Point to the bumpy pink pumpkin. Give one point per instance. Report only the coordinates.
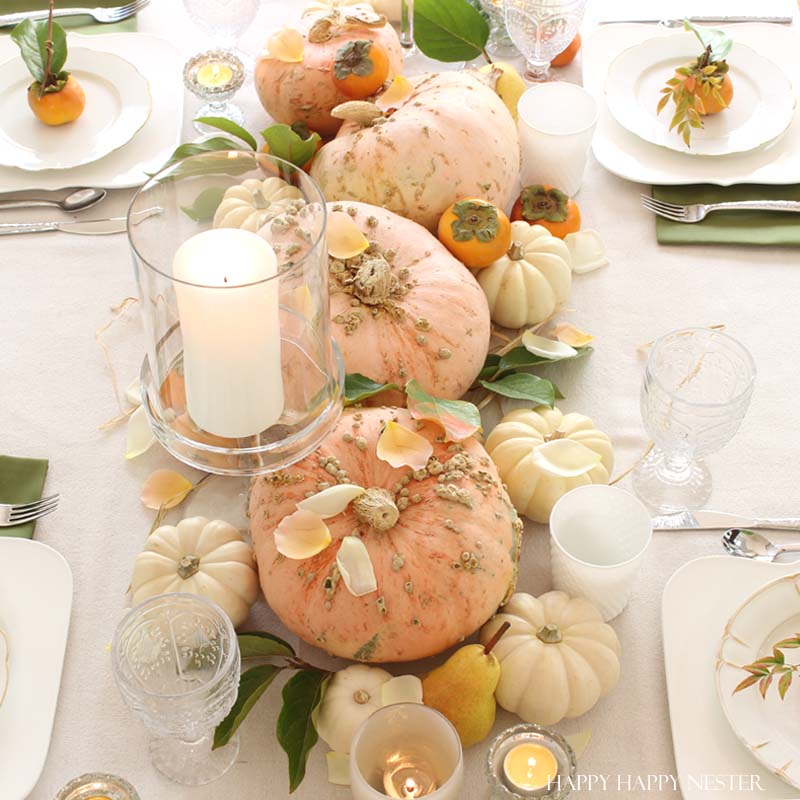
(444, 544)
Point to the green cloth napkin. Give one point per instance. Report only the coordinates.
(21, 481)
(730, 227)
(84, 24)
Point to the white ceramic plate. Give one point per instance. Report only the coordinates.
(696, 604)
(35, 604)
(769, 727)
(761, 110)
(118, 104)
(632, 158)
(160, 63)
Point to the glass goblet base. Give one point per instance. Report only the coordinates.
(193, 763)
(669, 484)
(537, 71)
(226, 110)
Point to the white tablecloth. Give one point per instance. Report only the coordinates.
(57, 290)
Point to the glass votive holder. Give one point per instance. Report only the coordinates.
(529, 760)
(242, 375)
(97, 786)
(405, 751)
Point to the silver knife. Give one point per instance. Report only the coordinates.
(678, 23)
(91, 227)
(720, 520)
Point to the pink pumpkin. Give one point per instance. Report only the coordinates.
(443, 542)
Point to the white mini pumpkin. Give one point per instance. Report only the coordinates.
(249, 204)
(209, 559)
(542, 454)
(557, 659)
(526, 285)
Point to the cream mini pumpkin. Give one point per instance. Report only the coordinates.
(209, 559)
(252, 202)
(451, 137)
(526, 285)
(443, 543)
(557, 659)
(536, 471)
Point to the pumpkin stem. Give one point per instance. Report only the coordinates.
(374, 282)
(188, 565)
(516, 251)
(360, 111)
(376, 507)
(556, 434)
(549, 634)
(496, 638)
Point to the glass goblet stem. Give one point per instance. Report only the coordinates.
(538, 70)
(407, 24)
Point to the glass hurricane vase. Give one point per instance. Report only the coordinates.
(241, 374)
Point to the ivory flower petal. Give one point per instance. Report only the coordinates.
(331, 501)
(338, 768)
(355, 567)
(402, 689)
(301, 535)
(586, 250)
(345, 240)
(400, 89)
(566, 458)
(571, 335)
(578, 741)
(165, 487)
(546, 348)
(140, 436)
(287, 44)
(133, 392)
(401, 447)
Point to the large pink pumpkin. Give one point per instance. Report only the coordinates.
(305, 92)
(442, 568)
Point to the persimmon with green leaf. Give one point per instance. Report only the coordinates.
(55, 96)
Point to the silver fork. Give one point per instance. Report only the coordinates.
(115, 14)
(699, 211)
(26, 512)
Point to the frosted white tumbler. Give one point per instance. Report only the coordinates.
(556, 124)
(598, 538)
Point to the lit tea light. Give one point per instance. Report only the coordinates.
(214, 75)
(529, 767)
(407, 777)
(97, 786)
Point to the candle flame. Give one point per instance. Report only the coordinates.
(410, 788)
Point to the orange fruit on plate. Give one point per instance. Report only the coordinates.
(57, 107)
(475, 232)
(360, 68)
(707, 104)
(567, 55)
(544, 205)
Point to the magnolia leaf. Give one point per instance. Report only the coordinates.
(331, 501)
(27, 39)
(287, 45)
(569, 334)
(719, 41)
(205, 204)
(140, 435)
(490, 366)
(401, 447)
(286, 143)
(345, 240)
(402, 689)
(459, 418)
(401, 89)
(229, 126)
(522, 386)
(259, 644)
(565, 458)
(252, 684)
(355, 566)
(449, 31)
(166, 488)
(338, 768)
(133, 392)
(521, 358)
(358, 388)
(301, 535)
(216, 143)
(295, 731)
(551, 349)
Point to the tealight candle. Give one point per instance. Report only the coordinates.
(529, 766)
(214, 74)
(97, 786)
(407, 777)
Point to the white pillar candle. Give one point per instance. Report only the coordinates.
(230, 330)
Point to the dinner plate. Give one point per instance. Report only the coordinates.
(35, 604)
(761, 110)
(118, 104)
(769, 727)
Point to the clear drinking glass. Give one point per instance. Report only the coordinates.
(499, 43)
(176, 662)
(696, 390)
(541, 29)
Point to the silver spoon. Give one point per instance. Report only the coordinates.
(749, 544)
(74, 201)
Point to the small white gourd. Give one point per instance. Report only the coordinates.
(209, 559)
(525, 286)
(557, 659)
(249, 204)
(542, 454)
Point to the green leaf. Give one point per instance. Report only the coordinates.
(521, 358)
(193, 148)
(252, 684)
(784, 683)
(746, 683)
(205, 204)
(59, 46)
(459, 418)
(449, 30)
(764, 684)
(258, 644)
(26, 36)
(358, 387)
(228, 126)
(489, 366)
(788, 644)
(295, 731)
(719, 41)
(523, 386)
(287, 144)
(662, 102)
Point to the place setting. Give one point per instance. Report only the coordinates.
(340, 463)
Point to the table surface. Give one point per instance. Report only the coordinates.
(58, 290)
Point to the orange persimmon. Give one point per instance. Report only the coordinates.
(543, 205)
(475, 232)
(57, 106)
(567, 55)
(360, 68)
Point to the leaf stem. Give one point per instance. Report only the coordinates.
(486, 56)
(48, 75)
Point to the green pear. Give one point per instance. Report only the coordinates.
(463, 689)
